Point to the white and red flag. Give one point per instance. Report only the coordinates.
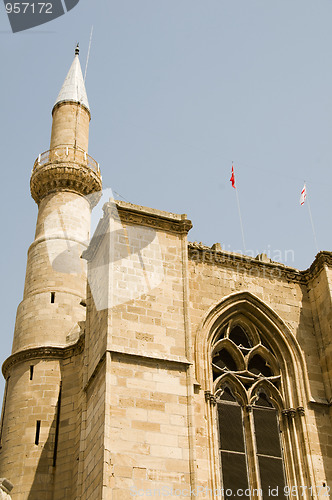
(303, 195)
(232, 179)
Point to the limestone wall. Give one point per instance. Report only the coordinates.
(149, 445)
(69, 457)
(215, 276)
(93, 439)
(137, 411)
(136, 276)
(70, 124)
(25, 463)
(319, 291)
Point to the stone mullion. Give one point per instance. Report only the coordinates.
(213, 439)
(251, 452)
(297, 461)
(289, 464)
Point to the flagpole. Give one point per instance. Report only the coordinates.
(242, 232)
(311, 220)
(86, 69)
(238, 206)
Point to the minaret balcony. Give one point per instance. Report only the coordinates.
(65, 168)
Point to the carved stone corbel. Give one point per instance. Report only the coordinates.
(209, 397)
(300, 411)
(291, 413)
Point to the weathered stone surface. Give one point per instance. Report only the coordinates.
(5, 488)
(110, 390)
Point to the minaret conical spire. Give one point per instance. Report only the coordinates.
(73, 88)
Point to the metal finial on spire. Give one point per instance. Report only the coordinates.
(77, 50)
(73, 88)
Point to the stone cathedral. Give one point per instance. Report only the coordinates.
(144, 365)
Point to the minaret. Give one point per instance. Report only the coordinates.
(64, 183)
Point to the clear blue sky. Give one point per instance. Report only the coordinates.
(179, 89)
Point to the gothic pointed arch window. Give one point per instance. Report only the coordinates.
(247, 384)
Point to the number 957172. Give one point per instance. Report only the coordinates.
(29, 8)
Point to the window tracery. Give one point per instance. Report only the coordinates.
(247, 384)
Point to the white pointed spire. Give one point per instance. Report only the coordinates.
(73, 88)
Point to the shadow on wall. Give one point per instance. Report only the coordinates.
(58, 466)
(42, 486)
(307, 337)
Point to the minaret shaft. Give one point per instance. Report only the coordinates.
(55, 282)
(48, 321)
(70, 126)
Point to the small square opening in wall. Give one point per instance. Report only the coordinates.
(37, 432)
(52, 297)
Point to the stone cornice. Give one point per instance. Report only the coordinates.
(68, 176)
(127, 213)
(157, 219)
(321, 259)
(44, 352)
(264, 268)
